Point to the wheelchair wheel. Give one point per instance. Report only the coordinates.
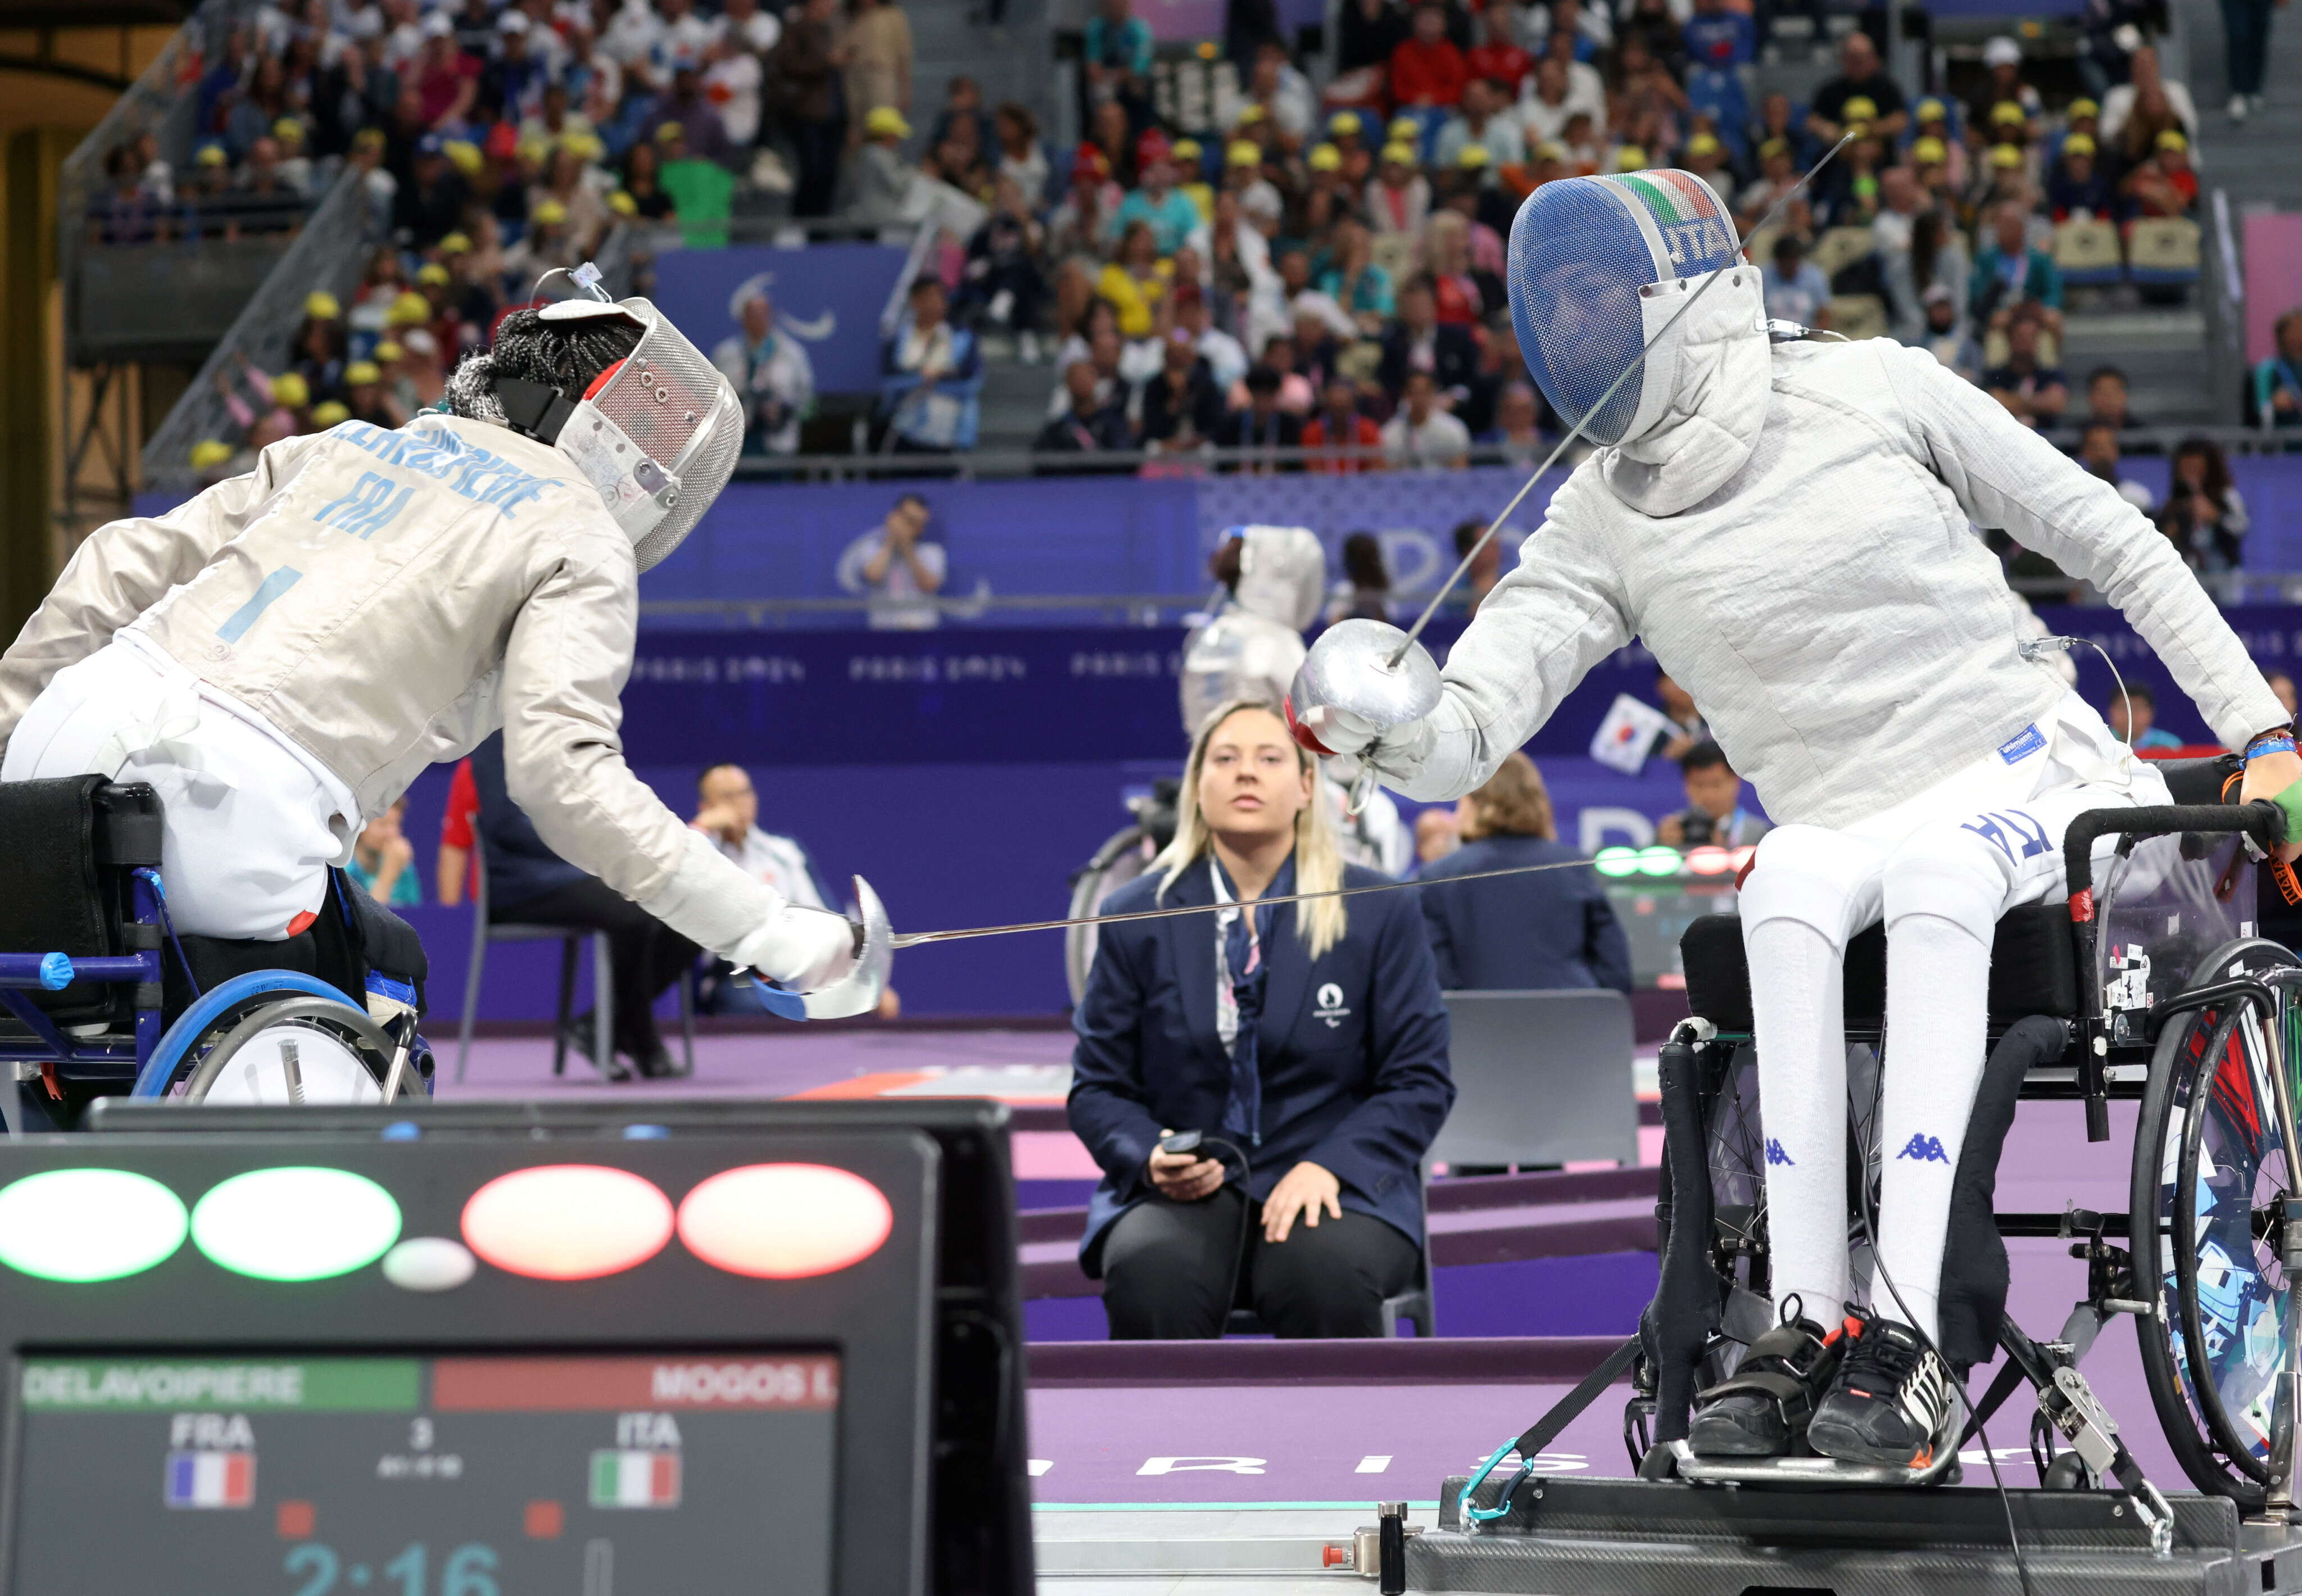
(2210, 1169)
(1125, 856)
(273, 1037)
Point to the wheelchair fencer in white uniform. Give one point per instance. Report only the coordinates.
(1790, 528)
(282, 655)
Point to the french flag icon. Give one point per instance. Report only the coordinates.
(211, 1479)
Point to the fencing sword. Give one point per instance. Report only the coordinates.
(921, 938)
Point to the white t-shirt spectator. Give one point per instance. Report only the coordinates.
(1440, 441)
(732, 83)
(633, 34)
(1801, 297)
(779, 861)
(780, 378)
(896, 602)
(1501, 139)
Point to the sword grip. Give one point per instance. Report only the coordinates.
(1361, 789)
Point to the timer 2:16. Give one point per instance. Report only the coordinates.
(468, 1571)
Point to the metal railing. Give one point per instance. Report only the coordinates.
(163, 101)
(330, 254)
(1124, 609)
(2222, 284)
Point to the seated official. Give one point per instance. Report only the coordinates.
(728, 811)
(1541, 932)
(1714, 816)
(1310, 1038)
(530, 884)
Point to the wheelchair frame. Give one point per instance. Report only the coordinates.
(1694, 1321)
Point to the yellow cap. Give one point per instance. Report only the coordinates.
(208, 452)
(464, 155)
(2079, 143)
(1400, 152)
(1703, 144)
(1326, 158)
(2007, 112)
(320, 306)
(2005, 156)
(588, 146)
(884, 122)
(368, 138)
(1405, 127)
(1549, 150)
(288, 130)
(2082, 106)
(387, 352)
(1860, 110)
(665, 133)
(2172, 139)
(329, 414)
(360, 372)
(431, 271)
(1186, 149)
(1244, 152)
(1773, 147)
(290, 389)
(534, 152)
(411, 309)
(1248, 113)
(211, 154)
(623, 204)
(1344, 124)
(547, 213)
(456, 243)
(1473, 156)
(1629, 158)
(1929, 151)
(1931, 109)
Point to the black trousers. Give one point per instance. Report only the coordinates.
(647, 954)
(817, 146)
(1168, 1270)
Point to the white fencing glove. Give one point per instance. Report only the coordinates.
(803, 949)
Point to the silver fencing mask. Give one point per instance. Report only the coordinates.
(657, 434)
(1585, 253)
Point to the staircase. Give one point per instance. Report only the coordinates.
(2253, 162)
(2158, 351)
(1014, 59)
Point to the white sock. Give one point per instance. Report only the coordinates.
(1797, 1001)
(1937, 987)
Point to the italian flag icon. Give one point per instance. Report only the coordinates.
(635, 1479)
(211, 1479)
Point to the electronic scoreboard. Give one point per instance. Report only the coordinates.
(512, 1350)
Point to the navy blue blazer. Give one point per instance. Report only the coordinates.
(1521, 933)
(1352, 1052)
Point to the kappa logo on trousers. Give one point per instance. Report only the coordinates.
(1925, 1149)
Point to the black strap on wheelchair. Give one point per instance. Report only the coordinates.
(1568, 1407)
(1684, 1313)
(2010, 1378)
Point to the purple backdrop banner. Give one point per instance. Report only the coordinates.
(828, 297)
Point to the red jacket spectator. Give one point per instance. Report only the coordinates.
(458, 870)
(1501, 62)
(1364, 434)
(1427, 73)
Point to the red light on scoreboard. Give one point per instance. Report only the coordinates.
(784, 1220)
(567, 1221)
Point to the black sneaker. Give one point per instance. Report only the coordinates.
(577, 1035)
(1892, 1405)
(1762, 1409)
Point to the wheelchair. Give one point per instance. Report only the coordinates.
(2152, 989)
(99, 996)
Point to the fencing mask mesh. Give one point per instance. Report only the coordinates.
(1580, 249)
(674, 404)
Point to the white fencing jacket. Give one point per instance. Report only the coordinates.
(1796, 541)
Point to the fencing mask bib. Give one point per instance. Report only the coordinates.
(1586, 254)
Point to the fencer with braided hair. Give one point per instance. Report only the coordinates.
(281, 656)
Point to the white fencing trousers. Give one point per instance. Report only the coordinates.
(250, 822)
(1939, 869)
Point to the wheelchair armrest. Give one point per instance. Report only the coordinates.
(2263, 822)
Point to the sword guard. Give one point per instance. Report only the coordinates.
(858, 992)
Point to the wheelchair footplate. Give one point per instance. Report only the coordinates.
(1828, 1472)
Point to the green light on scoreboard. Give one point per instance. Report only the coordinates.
(295, 1223)
(1617, 861)
(83, 1225)
(1658, 860)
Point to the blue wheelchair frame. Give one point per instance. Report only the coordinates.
(150, 1061)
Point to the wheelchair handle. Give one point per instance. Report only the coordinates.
(2264, 823)
(2261, 820)
(47, 972)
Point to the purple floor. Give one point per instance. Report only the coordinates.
(768, 1064)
